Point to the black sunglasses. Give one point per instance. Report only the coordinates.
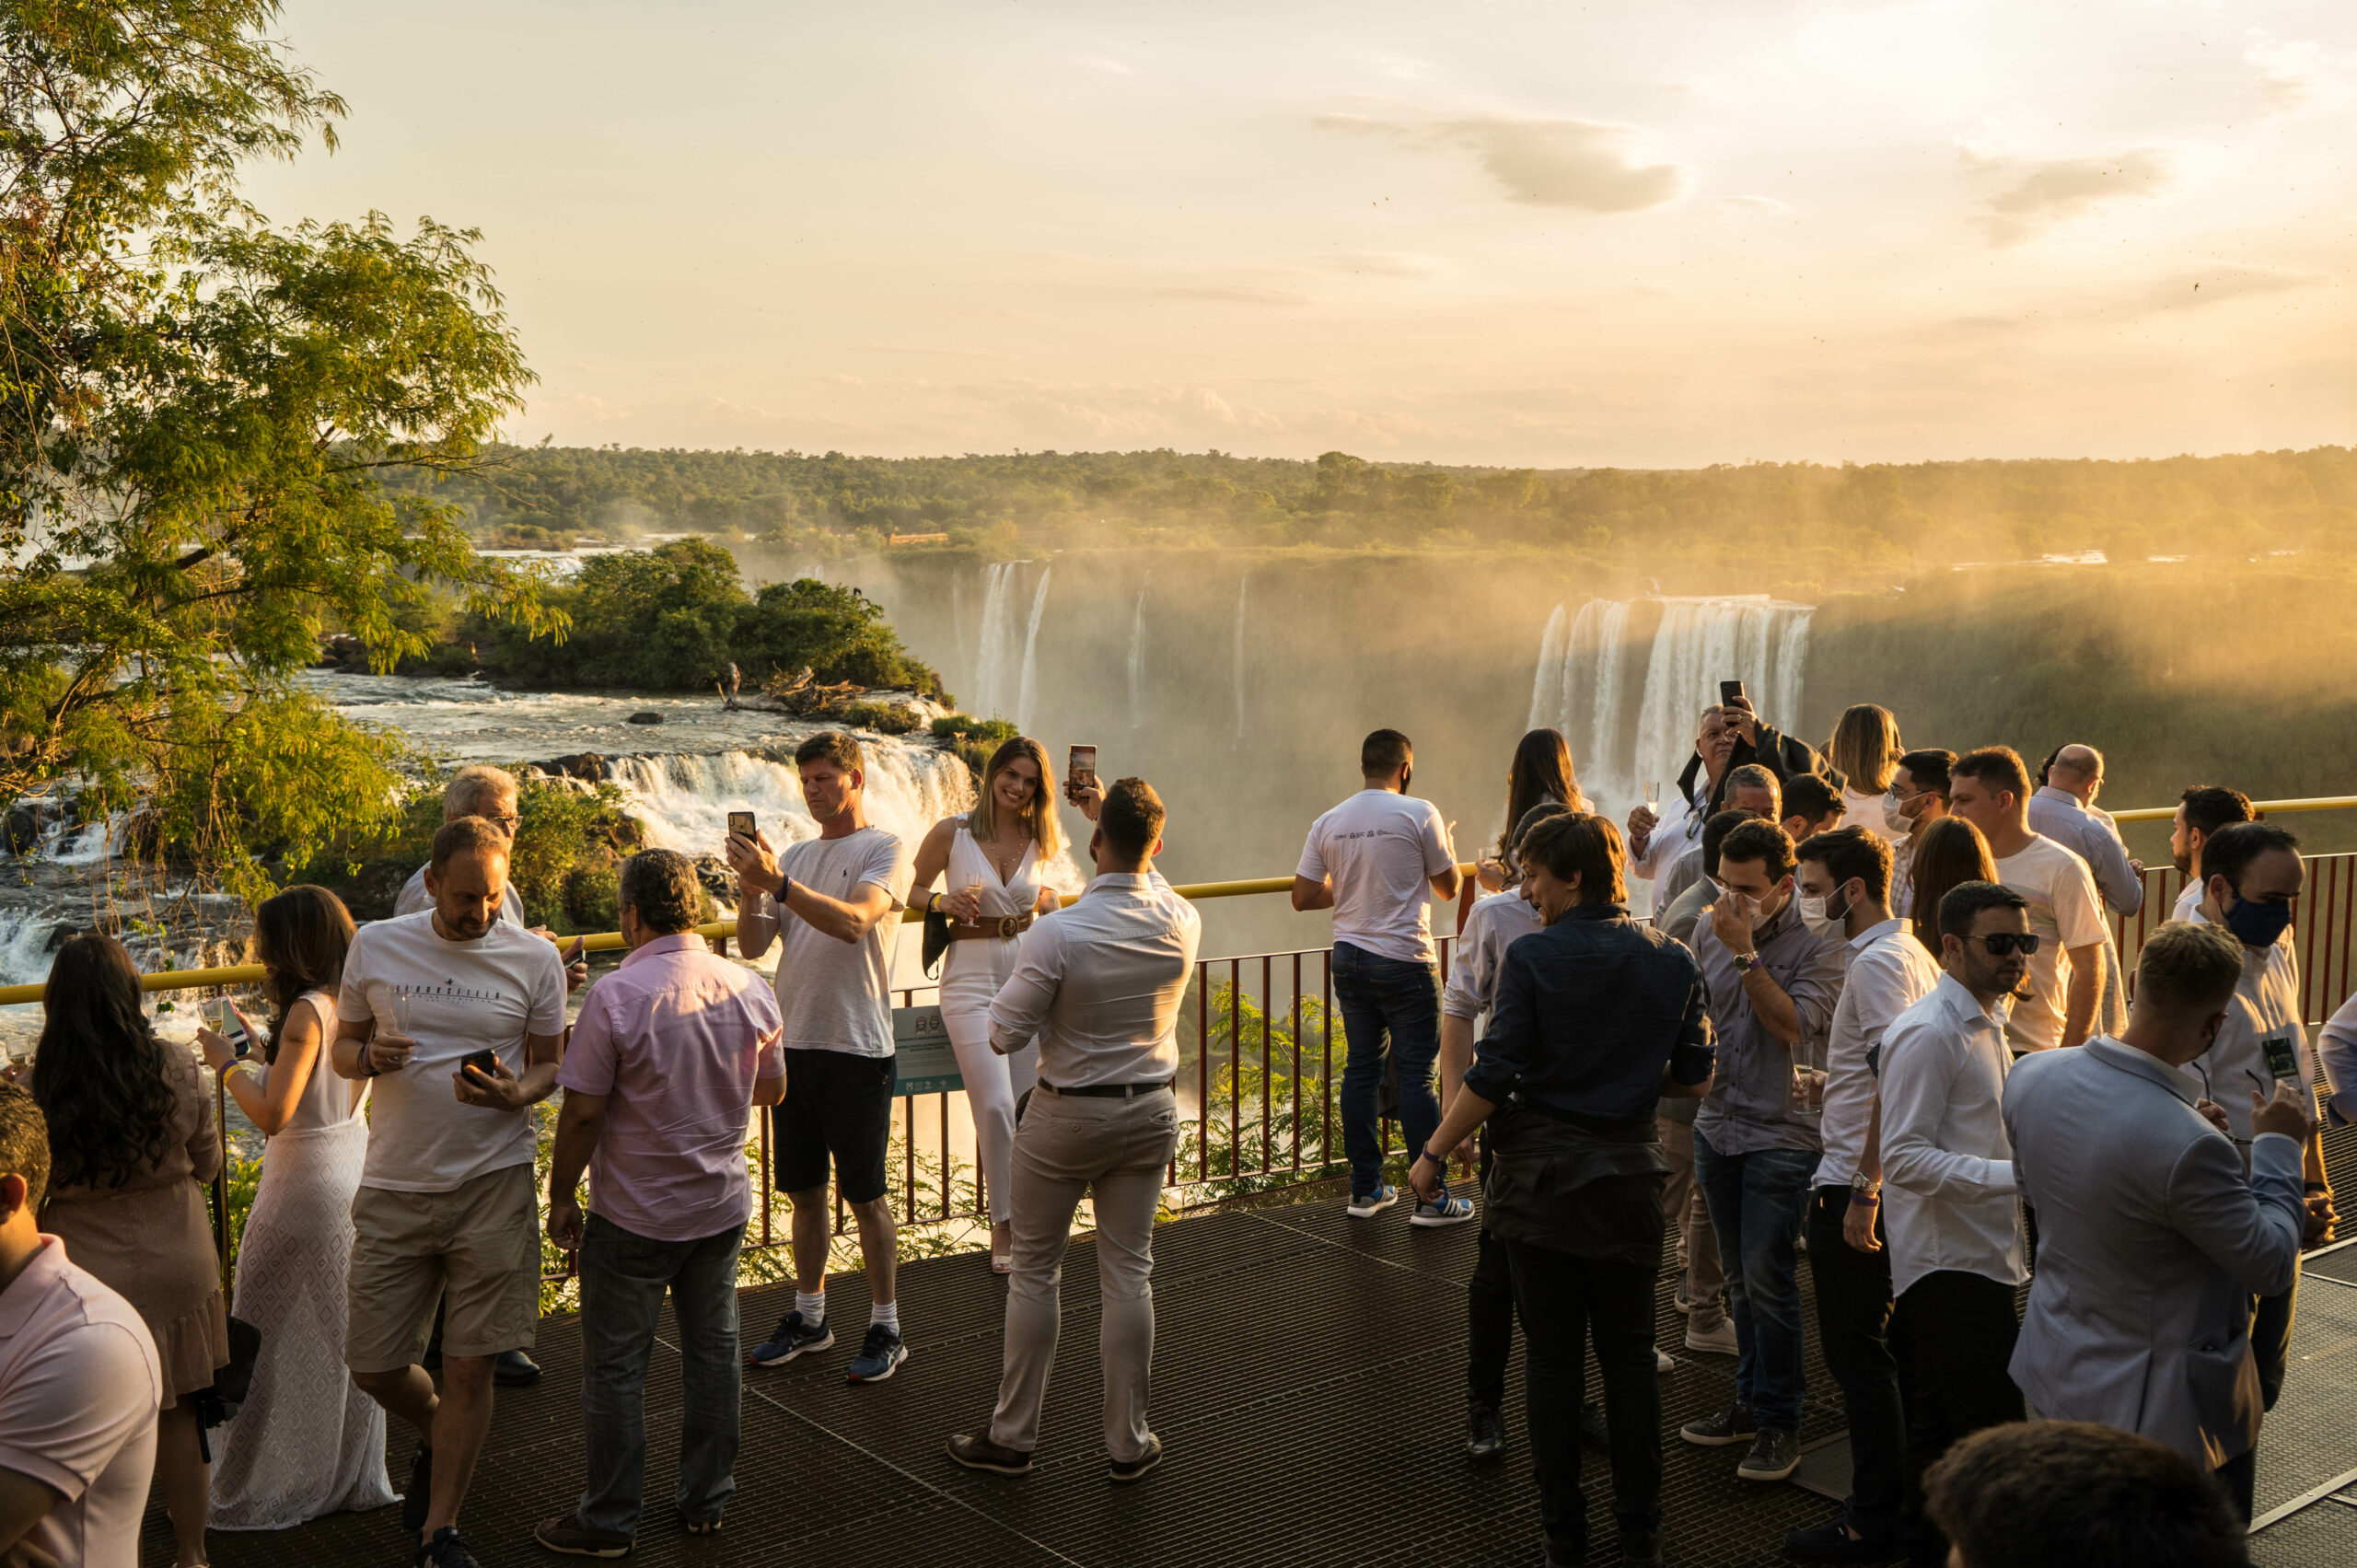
(1999, 942)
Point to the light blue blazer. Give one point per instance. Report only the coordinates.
(2152, 1240)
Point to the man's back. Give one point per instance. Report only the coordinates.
(2094, 837)
(674, 1040)
(1381, 848)
(1106, 977)
(2149, 1249)
(1494, 924)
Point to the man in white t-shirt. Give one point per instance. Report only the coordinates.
(1374, 860)
(1990, 789)
(448, 1206)
(2201, 811)
(79, 1381)
(842, 894)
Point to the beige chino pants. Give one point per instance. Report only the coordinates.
(1116, 1151)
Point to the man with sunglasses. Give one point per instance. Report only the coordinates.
(2251, 876)
(1950, 1218)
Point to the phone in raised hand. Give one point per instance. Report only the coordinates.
(740, 826)
(233, 1028)
(1080, 772)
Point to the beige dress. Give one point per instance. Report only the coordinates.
(151, 1239)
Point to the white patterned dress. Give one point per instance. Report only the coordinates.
(305, 1442)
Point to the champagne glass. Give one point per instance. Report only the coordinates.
(1653, 797)
(974, 893)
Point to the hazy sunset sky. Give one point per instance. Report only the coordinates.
(1636, 234)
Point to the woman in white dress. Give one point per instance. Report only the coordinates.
(305, 1442)
(1864, 749)
(994, 858)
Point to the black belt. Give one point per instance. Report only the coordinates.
(1109, 1091)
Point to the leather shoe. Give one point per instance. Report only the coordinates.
(977, 1452)
(515, 1369)
(1832, 1542)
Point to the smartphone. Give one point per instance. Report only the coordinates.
(1731, 695)
(1080, 772)
(484, 1061)
(2281, 1059)
(233, 1031)
(741, 825)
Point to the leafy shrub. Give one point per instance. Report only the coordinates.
(991, 730)
(884, 718)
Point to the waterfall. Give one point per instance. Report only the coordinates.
(958, 613)
(1548, 687)
(997, 633)
(1137, 658)
(1580, 684)
(1242, 583)
(684, 800)
(1031, 653)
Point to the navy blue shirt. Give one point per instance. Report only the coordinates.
(1589, 1012)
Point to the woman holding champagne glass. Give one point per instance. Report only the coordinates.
(990, 859)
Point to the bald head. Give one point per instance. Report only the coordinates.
(2078, 769)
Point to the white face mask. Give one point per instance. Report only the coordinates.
(1894, 817)
(1813, 913)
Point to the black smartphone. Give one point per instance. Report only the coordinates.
(741, 825)
(484, 1061)
(1731, 695)
(1080, 773)
(243, 1043)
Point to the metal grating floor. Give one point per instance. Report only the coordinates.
(1308, 1386)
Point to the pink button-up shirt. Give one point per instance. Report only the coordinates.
(673, 1039)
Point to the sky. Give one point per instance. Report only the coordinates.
(1460, 231)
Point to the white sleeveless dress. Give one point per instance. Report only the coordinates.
(971, 977)
(306, 1442)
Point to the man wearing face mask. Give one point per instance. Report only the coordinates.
(1917, 797)
(1845, 875)
(2200, 812)
(2139, 1199)
(1657, 844)
(2251, 873)
(1773, 984)
(1950, 1217)
(1751, 790)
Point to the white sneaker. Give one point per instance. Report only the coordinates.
(1448, 1211)
(1373, 1204)
(1661, 1360)
(1720, 1341)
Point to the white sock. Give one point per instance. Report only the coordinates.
(888, 1313)
(813, 1307)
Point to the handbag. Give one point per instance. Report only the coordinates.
(936, 941)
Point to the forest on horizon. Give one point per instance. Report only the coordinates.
(1875, 518)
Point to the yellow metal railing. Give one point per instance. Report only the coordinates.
(1196, 892)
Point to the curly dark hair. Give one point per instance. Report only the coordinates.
(98, 1070)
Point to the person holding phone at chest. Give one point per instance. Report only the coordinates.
(448, 1206)
(992, 858)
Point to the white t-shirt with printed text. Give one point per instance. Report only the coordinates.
(2064, 912)
(838, 995)
(458, 997)
(1382, 848)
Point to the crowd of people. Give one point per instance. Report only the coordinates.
(1876, 1016)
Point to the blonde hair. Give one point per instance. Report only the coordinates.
(1865, 748)
(1040, 817)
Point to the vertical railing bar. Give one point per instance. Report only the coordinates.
(1235, 1066)
(1268, 1001)
(1203, 1069)
(947, 1176)
(767, 1196)
(1326, 1062)
(1293, 1065)
(909, 1158)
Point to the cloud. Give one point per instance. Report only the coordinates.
(2036, 196)
(2296, 75)
(2216, 284)
(1383, 263)
(1583, 164)
(1234, 294)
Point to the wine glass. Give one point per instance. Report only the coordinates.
(1653, 797)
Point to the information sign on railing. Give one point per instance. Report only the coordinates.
(923, 1062)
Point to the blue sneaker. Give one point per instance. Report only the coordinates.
(878, 1358)
(1373, 1204)
(794, 1337)
(1448, 1211)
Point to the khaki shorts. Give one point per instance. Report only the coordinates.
(476, 1249)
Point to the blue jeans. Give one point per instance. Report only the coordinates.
(1756, 1202)
(623, 1276)
(1389, 1005)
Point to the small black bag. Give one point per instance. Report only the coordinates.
(231, 1384)
(936, 941)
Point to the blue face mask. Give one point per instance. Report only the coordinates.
(2256, 924)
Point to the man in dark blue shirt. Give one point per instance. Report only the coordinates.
(1595, 1018)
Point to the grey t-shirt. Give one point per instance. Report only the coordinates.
(838, 995)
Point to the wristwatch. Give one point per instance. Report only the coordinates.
(1745, 962)
(1865, 1188)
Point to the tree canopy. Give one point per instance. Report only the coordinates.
(198, 412)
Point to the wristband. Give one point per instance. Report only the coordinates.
(2318, 1185)
(1440, 1160)
(1860, 1195)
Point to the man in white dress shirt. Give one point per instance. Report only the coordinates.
(1949, 1215)
(1099, 986)
(2201, 812)
(1845, 876)
(2153, 1235)
(2251, 874)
